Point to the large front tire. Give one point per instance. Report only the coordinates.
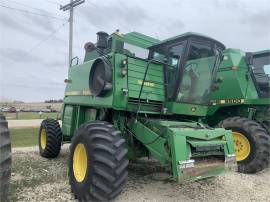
(252, 144)
(5, 159)
(98, 162)
(50, 138)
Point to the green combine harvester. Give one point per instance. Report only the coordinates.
(241, 103)
(135, 96)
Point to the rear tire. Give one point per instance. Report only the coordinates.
(50, 138)
(5, 159)
(258, 154)
(98, 171)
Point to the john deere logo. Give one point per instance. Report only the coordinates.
(146, 83)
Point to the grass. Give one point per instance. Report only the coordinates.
(31, 115)
(24, 137)
(31, 171)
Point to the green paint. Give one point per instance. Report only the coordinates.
(160, 128)
(238, 94)
(170, 142)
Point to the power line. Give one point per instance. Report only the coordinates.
(27, 6)
(47, 38)
(44, 40)
(70, 7)
(30, 12)
(52, 2)
(96, 6)
(91, 3)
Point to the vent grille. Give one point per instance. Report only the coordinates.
(145, 102)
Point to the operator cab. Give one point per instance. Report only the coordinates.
(190, 65)
(261, 72)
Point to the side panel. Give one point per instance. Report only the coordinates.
(77, 91)
(192, 152)
(236, 86)
(187, 109)
(232, 71)
(73, 117)
(68, 120)
(119, 83)
(153, 88)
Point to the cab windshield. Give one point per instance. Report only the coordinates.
(189, 75)
(262, 64)
(261, 72)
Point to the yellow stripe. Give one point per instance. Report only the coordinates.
(76, 93)
(86, 92)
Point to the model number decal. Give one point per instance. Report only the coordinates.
(227, 101)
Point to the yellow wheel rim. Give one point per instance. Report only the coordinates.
(79, 162)
(241, 146)
(43, 139)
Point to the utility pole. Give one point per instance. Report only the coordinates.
(70, 6)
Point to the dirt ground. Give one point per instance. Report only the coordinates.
(38, 179)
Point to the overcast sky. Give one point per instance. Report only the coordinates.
(33, 61)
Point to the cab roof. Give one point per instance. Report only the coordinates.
(261, 52)
(188, 35)
(137, 39)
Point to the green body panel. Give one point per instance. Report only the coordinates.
(186, 108)
(236, 84)
(133, 38)
(67, 123)
(119, 82)
(139, 39)
(149, 138)
(171, 142)
(77, 91)
(237, 94)
(154, 85)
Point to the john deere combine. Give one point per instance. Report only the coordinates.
(131, 99)
(241, 103)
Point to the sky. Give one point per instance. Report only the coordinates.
(34, 34)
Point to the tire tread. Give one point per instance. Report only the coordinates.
(110, 161)
(54, 138)
(262, 143)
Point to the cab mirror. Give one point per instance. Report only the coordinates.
(249, 58)
(165, 60)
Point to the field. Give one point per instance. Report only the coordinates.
(32, 105)
(31, 115)
(24, 137)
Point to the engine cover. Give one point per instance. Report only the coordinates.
(100, 78)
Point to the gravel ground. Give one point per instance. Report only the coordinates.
(38, 179)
